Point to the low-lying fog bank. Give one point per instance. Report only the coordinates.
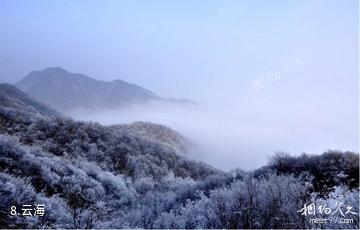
(228, 137)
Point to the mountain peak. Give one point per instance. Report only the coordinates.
(50, 71)
(67, 91)
(55, 69)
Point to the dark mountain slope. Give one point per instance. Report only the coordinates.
(12, 99)
(129, 153)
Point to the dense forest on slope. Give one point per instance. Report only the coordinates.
(133, 176)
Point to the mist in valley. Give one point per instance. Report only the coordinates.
(242, 136)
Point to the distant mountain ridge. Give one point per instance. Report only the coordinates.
(66, 91)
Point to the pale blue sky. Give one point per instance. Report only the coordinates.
(209, 51)
(167, 46)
